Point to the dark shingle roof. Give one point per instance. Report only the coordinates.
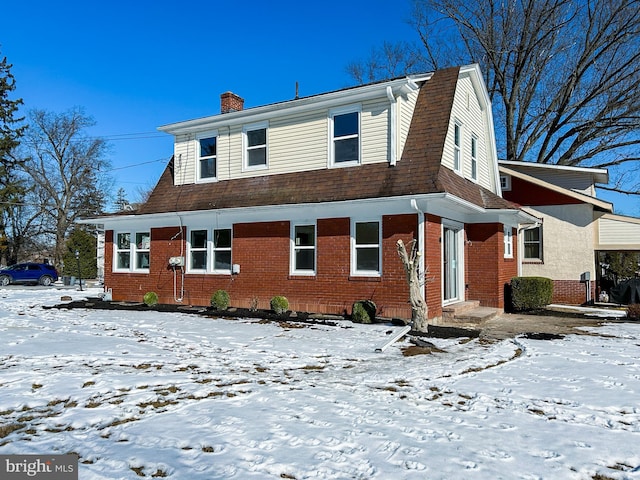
(418, 172)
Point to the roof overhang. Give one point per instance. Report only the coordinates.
(442, 205)
(399, 87)
(600, 175)
(596, 202)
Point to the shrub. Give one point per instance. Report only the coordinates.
(530, 293)
(220, 300)
(363, 311)
(150, 299)
(279, 304)
(633, 311)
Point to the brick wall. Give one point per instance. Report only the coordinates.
(487, 271)
(571, 292)
(433, 264)
(263, 252)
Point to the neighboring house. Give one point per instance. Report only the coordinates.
(307, 198)
(574, 225)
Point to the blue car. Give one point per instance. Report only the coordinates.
(37, 273)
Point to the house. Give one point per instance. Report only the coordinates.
(307, 198)
(574, 227)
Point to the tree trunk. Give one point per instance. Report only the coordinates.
(418, 304)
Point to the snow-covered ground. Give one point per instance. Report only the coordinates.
(145, 394)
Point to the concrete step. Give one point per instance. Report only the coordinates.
(450, 312)
(478, 315)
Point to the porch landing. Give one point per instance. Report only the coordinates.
(468, 313)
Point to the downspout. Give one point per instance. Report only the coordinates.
(421, 260)
(393, 114)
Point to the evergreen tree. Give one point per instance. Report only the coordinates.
(85, 244)
(11, 190)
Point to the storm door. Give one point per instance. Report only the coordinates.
(451, 263)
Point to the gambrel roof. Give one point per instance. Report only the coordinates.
(418, 172)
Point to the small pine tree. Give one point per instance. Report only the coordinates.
(121, 199)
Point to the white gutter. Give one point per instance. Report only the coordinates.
(392, 127)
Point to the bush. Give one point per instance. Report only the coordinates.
(220, 300)
(150, 299)
(279, 304)
(530, 293)
(363, 311)
(633, 311)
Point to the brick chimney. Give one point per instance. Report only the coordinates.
(230, 102)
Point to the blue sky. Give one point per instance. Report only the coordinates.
(134, 66)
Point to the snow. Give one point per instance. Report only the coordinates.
(143, 394)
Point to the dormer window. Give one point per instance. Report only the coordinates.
(345, 136)
(255, 143)
(207, 154)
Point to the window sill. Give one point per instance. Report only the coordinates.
(302, 276)
(533, 262)
(364, 278)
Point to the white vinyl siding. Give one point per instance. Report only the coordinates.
(467, 112)
(296, 143)
(375, 132)
(406, 108)
(619, 231)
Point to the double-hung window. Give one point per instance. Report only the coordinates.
(474, 157)
(304, 249)
(132, 252)
(142, 250)
(210, 250)
(207, 157)
(198, 245)
(508, 242)
(366, 248)
(344, 128)
(222, 250)
(123, 251)
(457, 146)
(255, 146)
(533, 244)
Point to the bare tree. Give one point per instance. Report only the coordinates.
(66, 169)
(563, 75)
(411, 264)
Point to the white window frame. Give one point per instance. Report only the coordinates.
(132, 251)
(508, 241)
(355, 246)
(474, 157)
(335, 112)
(199, 157)
(117, 251)
(191, 249)
(505, 183)
(215, 250)
(457, 146)
(294, 248)
(245, 146)
(539, 258)
(210, 249)
(144, 248)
